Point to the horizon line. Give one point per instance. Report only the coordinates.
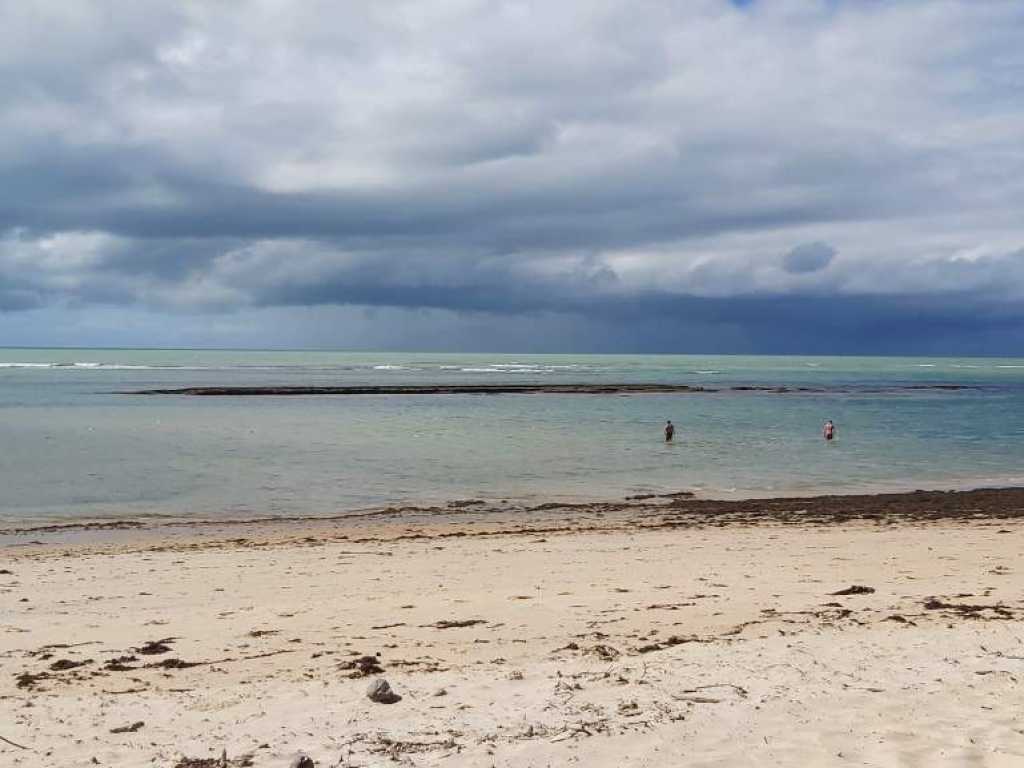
(491, 352)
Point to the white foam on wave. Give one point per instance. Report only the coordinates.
(707, 373)
(1010, 366)
(390, 368)
(103, 366)
(506, 370)
(926, 365)
(128, 367)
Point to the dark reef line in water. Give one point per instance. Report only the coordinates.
(524, 389)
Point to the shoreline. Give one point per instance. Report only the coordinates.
(681, 509)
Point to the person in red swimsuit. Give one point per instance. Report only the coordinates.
(829, 430)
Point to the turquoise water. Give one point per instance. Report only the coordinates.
(74, 447)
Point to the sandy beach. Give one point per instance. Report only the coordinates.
(874, 630)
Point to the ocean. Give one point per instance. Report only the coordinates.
(76, 446)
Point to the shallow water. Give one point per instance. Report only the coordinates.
(74, 447)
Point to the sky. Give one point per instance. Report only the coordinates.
(764, 176)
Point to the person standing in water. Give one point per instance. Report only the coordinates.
(670, 431)
(829, 430)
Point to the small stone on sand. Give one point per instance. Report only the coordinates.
(380, 692)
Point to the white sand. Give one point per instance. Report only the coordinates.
(776, 679)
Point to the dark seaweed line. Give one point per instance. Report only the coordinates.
(519, 389)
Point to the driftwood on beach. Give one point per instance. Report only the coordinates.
(513, 389)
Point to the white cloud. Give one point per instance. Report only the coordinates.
(189, 154)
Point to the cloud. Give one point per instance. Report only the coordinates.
(808, 257)
(517, 160)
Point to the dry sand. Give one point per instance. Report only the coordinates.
(600, 635)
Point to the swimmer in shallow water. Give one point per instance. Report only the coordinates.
(829, 430)
(670, 431)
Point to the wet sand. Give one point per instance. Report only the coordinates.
(666, 630)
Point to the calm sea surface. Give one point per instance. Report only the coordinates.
(74, 447)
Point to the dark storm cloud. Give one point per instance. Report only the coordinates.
(809, 257)
(589, 164)
(14, 298)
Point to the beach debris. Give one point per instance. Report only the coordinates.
(463, 503)
(856, 589)
(899, 619)
(28, 680)
(302, 760)
(831, 615)
(648, 496)
(970, 611)
(63, 664)
(44, 652)
(120, 664)
(629, 708)
(455, 623)
(176, 664)
(364, 666)
(379, 691)
(441, 692)
(669, 642)
(155, 647)
(243, 761)
(604, 652)
(395, 748)
(128, 728)
(566, 686)
(13, 743)
(582, 728)
(5, 572)
(696, 695)
(422, 664)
